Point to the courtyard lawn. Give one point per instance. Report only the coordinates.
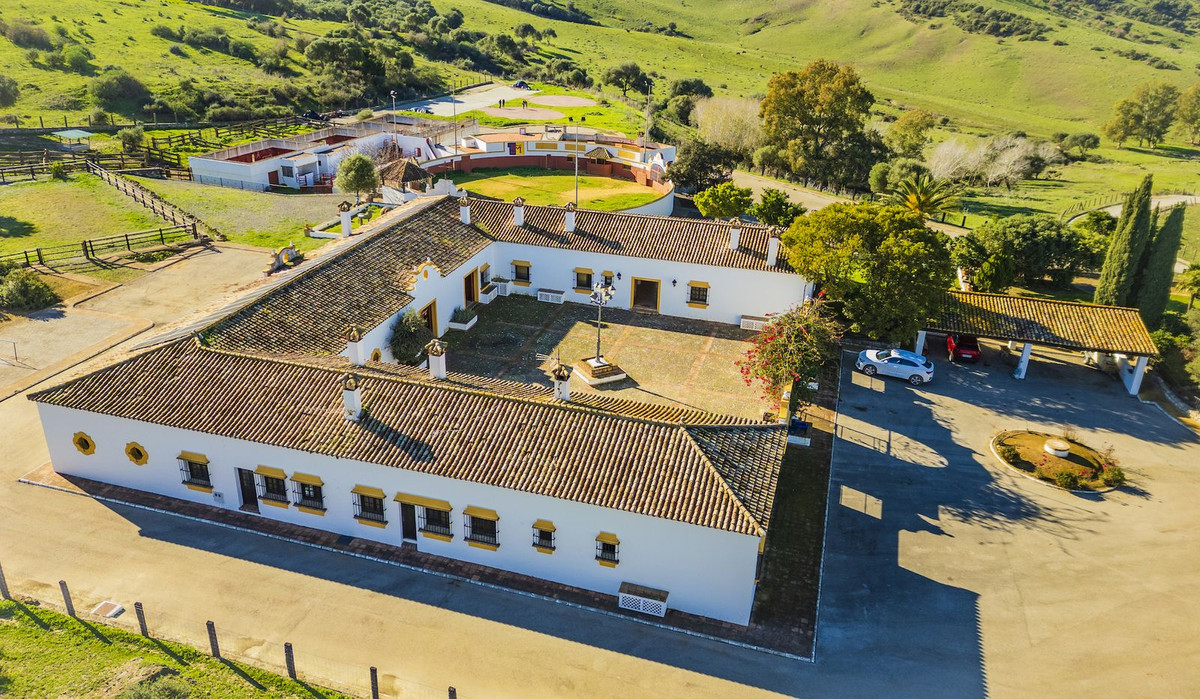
(252, 218)
(52, 212)
(544, 187)
(48, 654)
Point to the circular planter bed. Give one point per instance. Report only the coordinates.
(1042, 456)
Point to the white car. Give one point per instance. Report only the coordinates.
(903, 364)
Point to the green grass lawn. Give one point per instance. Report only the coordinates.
(1190, 249)
(543, 187)
(251, 218)
(47, 654)
(51, 212)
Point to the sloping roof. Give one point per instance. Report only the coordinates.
(598, 153)
(722, 477)
(363, 285)
(694, 240)
(73, 134)
(1063, 324)
(404, 171)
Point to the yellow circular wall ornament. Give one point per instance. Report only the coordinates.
(136, 453)
(83, 443)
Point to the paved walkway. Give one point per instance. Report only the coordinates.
(470, 100)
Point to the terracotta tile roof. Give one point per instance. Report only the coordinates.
(695, 240)
(363, 285)
(718, 477)
(403, 171)
(1063, 324)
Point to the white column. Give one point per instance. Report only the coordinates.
(1139, 372)
(437, 366)
(920, 344)
(346, 225)
(1023, 364)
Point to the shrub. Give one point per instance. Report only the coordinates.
(77, 58)
(25, 290)
(1067, 479)
(27, 36)
(63, 101)
(58, 171)
(161, 688)
(98, 116)
(409, 337)
(365, 114)
(131, 138)
(462, 315)
(1113, 476)
(162, 31)
(117, 84)
(9, 91)
(1009, 453)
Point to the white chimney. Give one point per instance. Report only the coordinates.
(354, 348)
(561, 376)
(436, 349)
(735, 233)
(773, 248)
(351, 398)
(519, 211)
(347, 224)
(464, 210)
(569, 217)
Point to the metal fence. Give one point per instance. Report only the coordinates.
(232, 639)
(85, 251)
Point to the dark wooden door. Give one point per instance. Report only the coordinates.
(408, 521)
(249, 491)
(273, 177)
(470, 290)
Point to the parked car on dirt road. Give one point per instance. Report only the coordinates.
(963, 347)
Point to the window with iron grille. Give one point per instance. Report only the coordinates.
(608, 280)
(543, 538)
(698, 294)
(434, 521)
(521, 273)
(606, 551)
(195, 473)
(270, 488)
(308, 495)
(485, 531)
(583, 280)
(367, 507)
(485, 274)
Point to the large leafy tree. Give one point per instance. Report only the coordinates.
(701, 165)
(792, 349)
(1189, 283)
(1155, 289)
(725, 200)
(356, 173)
(1147, 116)
(883, 263)
(775, 209)
(1188, 112)
(817, 117)
(1027, 249)
(909, 134)
(1125, 123)
(1125, 248)
(627, 76)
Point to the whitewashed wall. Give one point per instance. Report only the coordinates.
(707, 571)
(663, 206)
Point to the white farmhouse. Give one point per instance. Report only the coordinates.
(288, 407)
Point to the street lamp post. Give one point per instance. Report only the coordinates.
(601, 295)
(393, 116)
(577, 167)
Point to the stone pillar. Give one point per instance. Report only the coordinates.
(1134, 383)
(919, 345)
(1023, 364)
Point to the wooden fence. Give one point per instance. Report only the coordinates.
(82, 253)
(261, 128)
(150, 200)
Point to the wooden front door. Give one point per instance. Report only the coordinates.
(248, 489)
(645, 294)
(273, 177)
(470, 289)
(429, 317)
(408, 521)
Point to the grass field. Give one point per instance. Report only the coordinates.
(251, 218)
(47, 654)
(543, 187)
(46, 213)
(1190, 249)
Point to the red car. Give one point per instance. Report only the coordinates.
(962, 347)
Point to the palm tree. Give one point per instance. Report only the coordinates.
(1189, 282)
(924, 195)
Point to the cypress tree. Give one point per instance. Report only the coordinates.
(1125, 248)
(1155, 291)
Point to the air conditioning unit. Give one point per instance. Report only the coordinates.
(755, 323)
(551, 296)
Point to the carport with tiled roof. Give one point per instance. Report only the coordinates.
(1077, 327)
